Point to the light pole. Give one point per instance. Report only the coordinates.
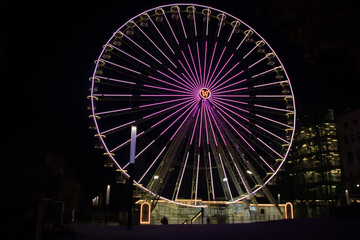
(107, 201)
(131, 175)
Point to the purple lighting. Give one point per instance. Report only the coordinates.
(211, 100)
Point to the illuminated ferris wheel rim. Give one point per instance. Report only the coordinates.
(204, 93)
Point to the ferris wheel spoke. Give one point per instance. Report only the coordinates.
(141, 48)
(188, 77)
(121, 67)
(167, 109)
(151, 165)
(247, 120)
(168, 83)
(267, 71)
(237, 23)
(188, 87)
(272, 150)
(194, 103)
(259, 43)
(229, 79)
(221, 23)
(267, 56)
(199, 63)
(161, 35)
(215, 83)
(210, 65)
(129, 55)
(271, 133)
(169, 25)
(211, 113)
(156, 46)
(247, 33)
(181, 176)
(217, 64)
(194, 65)
(241, 136)
(225, 178)
(232, 90)
(190, 69)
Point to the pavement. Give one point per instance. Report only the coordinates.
(317, 228)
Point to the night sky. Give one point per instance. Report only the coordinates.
(46, 58)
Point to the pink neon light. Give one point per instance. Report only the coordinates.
(201, 117)
(182, 175)
(193, 61)
(230, 105)
(162, 88)
(173, 79)
(115, 128)
(232, 90)
(213, 80)
(199, 63)
(236, 131)
(216, 124)
(152, 22)
(220, 108)
(166, 109)
(238, 82)
(151, 164)
(155, 45)
(270, 148)
(187, 63)
(163, 81)
(125, 143)
(192, 136)
(160, 103)
(273, 134)
(217, 64)
(214, 84)
(141, 48)
(188, 82)
(113, 111)
(211, 61)
(204, 78)
(172, 31)
(176, 118)
(211, 126)
(188, 75)
(129, 55)
(116, 80)
(192, 108)
(117, 65)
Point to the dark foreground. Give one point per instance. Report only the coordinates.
(321, 228)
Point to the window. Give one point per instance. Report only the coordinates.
(346, 139)
(358, 136)
(346, 124)
(358, 155)
(355, 121)
(350, 157)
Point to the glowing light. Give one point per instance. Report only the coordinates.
(205, 93)
(145, 213)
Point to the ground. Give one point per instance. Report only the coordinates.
(321, 228)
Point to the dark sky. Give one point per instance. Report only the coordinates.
(47, 57)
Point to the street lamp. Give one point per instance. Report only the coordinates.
(107, 201)
(131, 175)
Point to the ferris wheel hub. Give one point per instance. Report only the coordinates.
(205, 93)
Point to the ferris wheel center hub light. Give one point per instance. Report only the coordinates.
(205, 93)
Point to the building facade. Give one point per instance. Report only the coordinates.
(311, 177)
(349, 142)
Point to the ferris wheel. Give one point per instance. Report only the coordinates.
(212, 102)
